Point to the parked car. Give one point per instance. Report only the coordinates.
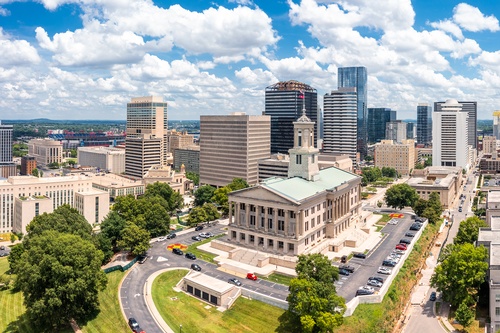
(195, 267)
(384, 270)
(393, 222)
(405, 241)
(172, 235)
(389, 263)
(2, 248)
(419, 219)
(374, 283)
(361, 292)
(376, 278)
(203, 235)
(196, 238)
(398, 251)
(460, 209)
(415, 226)
(160, 239)
(177, 251)
(433, 296)
(133, 324)
(198, 228)
(359, 255)
(142, 258)
(343, 272)
(409, 234)
(251, 276)
(401, 247)
(191, 256)
(348, 268)
(209, 234)
(343, 259)
(234, 281)
(366, 288)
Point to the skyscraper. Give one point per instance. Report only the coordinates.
(146, 143)
(340, 128)
(450, 145)
(357, 77)
(424, 124)
(471, 109)
(7, 166)
(284, 104)
(395, 131)
(496, 124)
(377, 118)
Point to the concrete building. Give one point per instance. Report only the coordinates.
(340, 123)
(179, 140)
(395, 131)
(446, 181)
(450, 134)
(471, 109)
(411, 131)
(45, 151)
(117, 185)
(489, 164)
(210, 290)
(104, 158)
(400, 156)
(306, 212)
(146, 143)
(490, 146)
(7, 165)
(27, 208)
(424, 124)
(92, 204)
(189, 157)
(60, 190)
(377, 120)
(165, 174)
(28, 164)
(496, 124)
(231, 146)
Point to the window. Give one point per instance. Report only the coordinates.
(298, 159)
(270, 243)
(252, 239)
(252, 220)
(269, 211)
(252, 208)
(270, 223)
(306, 212)
(313, 221)
(306, 242)
(497, 311)
(281, 225)
(312, 210)
(281, 212)
(281, 245)
(290, 247)
(497, 298)
(262, 221)
(242, 206)
(291, 214)
(318, 234)
(306, 226)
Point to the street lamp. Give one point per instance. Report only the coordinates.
(180, 328)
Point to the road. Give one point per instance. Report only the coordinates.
(132, 289)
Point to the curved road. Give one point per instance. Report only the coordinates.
(132, 289)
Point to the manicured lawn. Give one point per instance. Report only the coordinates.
(278, 278)
(200, 254)
(177, 308)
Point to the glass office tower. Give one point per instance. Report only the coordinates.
(357, 77)
(377, 119)
(284, 102)
(424, 124)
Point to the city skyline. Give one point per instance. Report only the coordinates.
(85, 60)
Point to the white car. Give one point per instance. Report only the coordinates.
(393, 221)
(384, 270)
(209, 234)
(367, 288)
(203, 235)
(374, 283)
(160, 239)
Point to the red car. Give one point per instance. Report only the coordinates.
(251, 276)
(401, 247)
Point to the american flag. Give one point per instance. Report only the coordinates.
(301, 94)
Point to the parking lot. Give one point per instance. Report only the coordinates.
(366, 268)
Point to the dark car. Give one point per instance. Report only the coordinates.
(198, 228)
(343, 272)
(433, 296)
(420, 219)
(172, 235)
(234, 281)
(415, 226)
(2, 247)
(348, 268)
(191, 256)
(405, 241)
(376, 278)
(388, 263)
(177, 251)
(409, 234)
(142, 258)
(343, 259)
(195, 267)
(196, 238)
(460, 209)
(361, 292)
(134, 325)
(359, 255)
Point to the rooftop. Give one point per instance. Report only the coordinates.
(213, 283)
(493, 196)
(112, 180)
(298, 189)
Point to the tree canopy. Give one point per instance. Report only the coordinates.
(173, 200)
(60, 276)
(431, 209)
(400, 196)
(461, 270)
(134, 239)
(468, 231)
(203, 194)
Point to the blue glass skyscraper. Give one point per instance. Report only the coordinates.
(377, 119)
(424, 124)
(357, 77)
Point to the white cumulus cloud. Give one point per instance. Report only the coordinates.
(471, 18)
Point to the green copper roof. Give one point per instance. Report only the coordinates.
(298, 189)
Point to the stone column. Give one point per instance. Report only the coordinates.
(237, 213)
(265, 220)
(275, 220)
(257, 217)
(230, 204)
(247, 215)
(287, 222)
(297, 222)
(301, 227)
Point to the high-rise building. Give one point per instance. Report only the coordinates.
(411, 131)
(7, 166)
(357, 77)
(450, 145)
(104, 158)
(231, 146)
(179, 140)
(471, 109)
(496, 124)
(396, 131)
(340, 125)
(28, 164)
(283, 104)
(400, 156)
(424, 124)
(377, 119)
(146, 143)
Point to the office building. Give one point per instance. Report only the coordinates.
(399, 156)
(490, 145)
(146, 143)
(189, 157)
(28, 164)
(283, 103)
(45, 151)
(395, 131)
(411, 131)
(7, 166)
(357, 77)
(471, 109)
(377, 120)
(496, 124)
(424, 124)
(340, 122)
(165, 174)
(450, 136)
(179, 140)
(306, 212)
(103, 158)
(231, 146)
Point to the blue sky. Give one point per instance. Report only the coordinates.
(85, 59)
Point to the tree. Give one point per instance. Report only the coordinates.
(37, 173)
(379, 204)
(173, 199)
(428, 161)
(103, 243)
(400, 196)
(127, 207)
(60, 277)
(371, 174)
(435, 202)
(134, 239)
(464, 315)
(419, 166)
(211, 211)
(194, 177)
(461, 270)
(157, 220)
(197, 215)
(220, 197)
(238, 184)
(468, 231)
(73, 153)
(368, 158)
(112, 227)
(419, 206)
(389, 172)
(317, 267)
(203, 194)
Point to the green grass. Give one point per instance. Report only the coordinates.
(177, 308)
(278, 278)
(200, 254)
(385, 218)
